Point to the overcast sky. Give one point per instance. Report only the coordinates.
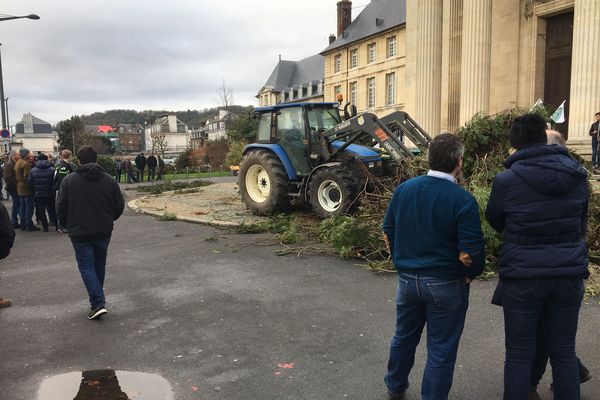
(96, 55)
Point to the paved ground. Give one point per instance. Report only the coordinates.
(220, 318)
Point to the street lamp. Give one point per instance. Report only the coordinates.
(4, 17)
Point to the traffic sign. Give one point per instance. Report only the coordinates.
(5, 133)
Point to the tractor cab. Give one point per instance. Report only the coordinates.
(295, 128)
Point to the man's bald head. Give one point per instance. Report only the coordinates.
(555, 137)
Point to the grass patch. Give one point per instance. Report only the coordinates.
(167, 186)
(167, 216)
(193, 175)
(592, 285)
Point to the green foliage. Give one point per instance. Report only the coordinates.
(234, 155)
(167, 216)
(346, 234)
(493, 240)
(243, 128)
(184, 159)
(68, 129)
(107, 163)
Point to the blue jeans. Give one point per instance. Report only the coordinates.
(91, 260)
(26, 211)
(556, 303)
(442, 304)
(15, 210)
(595, 151)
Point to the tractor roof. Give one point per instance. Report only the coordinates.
(288, 105)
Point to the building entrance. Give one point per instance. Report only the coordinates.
(559, 49)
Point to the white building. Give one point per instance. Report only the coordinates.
(215, 129)
(169, 130)
(34, 134)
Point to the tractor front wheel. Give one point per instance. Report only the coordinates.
(263, 183)
(333, 191)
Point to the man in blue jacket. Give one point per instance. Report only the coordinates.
(540, 204)
(41, 182)
(434, 233)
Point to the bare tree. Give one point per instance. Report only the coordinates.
(225, 95)
(159, 144)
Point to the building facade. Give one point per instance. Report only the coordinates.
(130, 137)
(366, 62)
(167, 135)
(294, 81)
(34, 134)
(456, 58)
(216, 129)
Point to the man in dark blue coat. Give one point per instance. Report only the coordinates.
(539, 203)
(41, 182)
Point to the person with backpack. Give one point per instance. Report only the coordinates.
(41, 182)
(64, 167)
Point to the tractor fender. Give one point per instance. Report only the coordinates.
(279, 152)
(318, 167)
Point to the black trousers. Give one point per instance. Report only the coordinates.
(41, 204)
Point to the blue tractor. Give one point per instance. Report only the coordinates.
(305, 153)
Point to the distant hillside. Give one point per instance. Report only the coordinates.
(192, 118)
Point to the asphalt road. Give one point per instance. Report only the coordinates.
(220, 316)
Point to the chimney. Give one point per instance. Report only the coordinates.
(331, 38)
(344, 15)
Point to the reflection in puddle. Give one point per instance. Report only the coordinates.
(105, 384)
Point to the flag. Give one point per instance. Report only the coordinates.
(559, 115)
(538, 103)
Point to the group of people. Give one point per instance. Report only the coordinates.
(32, 183)
(539, 203)
(135, 172)
(84, 199)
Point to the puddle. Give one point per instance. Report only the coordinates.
(105, 384)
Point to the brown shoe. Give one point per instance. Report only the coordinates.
(5, 303)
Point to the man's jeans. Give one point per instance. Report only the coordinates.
(442, 304)
(26, 211)
(91, 260)
(151, 174)
(15, 210)
(595, 151)
(556, 302)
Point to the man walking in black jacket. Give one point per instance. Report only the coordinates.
(89, 201)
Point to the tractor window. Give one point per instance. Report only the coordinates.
(264, 127)
(290, 132)
(325, 118)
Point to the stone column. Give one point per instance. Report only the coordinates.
(476, 58)
(585, 69)
(454, 61)
(429, 65)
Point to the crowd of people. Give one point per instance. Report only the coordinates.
(134, 170)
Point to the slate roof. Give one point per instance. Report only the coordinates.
(378, 16)
(33, 123)
(290, 73)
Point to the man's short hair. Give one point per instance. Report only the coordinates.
(24, 152)
(65, 154)
(445, 151)
(598, 113)
(42, 157)
(13, 153)
(555, 137)
(86, 155)
(527, 130)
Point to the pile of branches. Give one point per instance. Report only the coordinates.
(486, 149)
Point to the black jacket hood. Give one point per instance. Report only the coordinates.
(43, 164)
(90, 171)
(547, 169)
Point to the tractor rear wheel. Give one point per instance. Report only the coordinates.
(263, 183)
(333, 191)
